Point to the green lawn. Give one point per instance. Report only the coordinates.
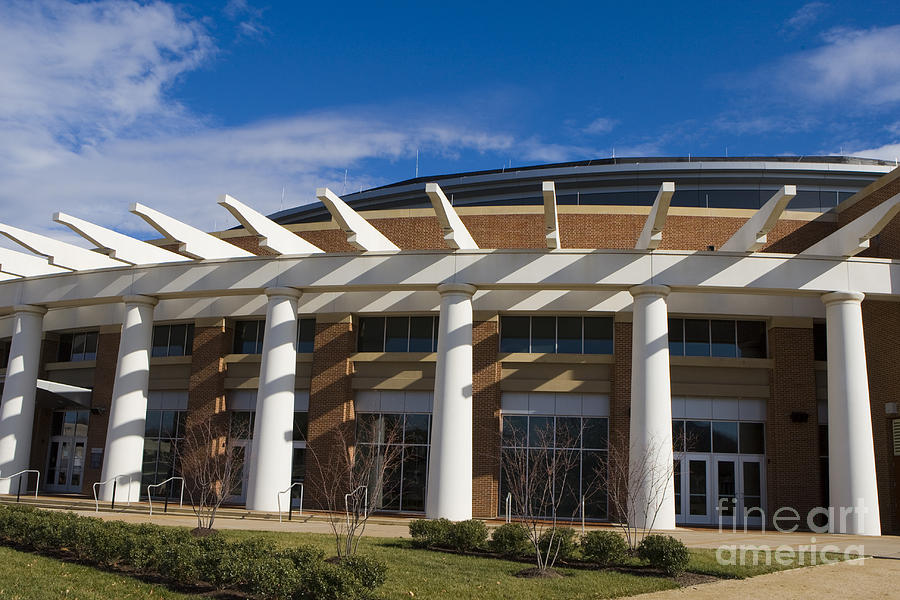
(412, 573)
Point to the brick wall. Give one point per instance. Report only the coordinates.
(104, 377)
(206, 388)
(792, 452)
(881, 321)
(620, 401)
(887, 243)
(485, 418)
(331, 417)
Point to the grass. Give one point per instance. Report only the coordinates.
(412, 573)
(26, 576)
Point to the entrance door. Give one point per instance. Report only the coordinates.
(738, 490)
(65, 459)
(693, 477)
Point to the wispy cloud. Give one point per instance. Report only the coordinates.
(806, 15)
(249, 19)
(885, 152)
(601, 125)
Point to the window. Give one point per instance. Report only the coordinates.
(820, 341)
(557, 335)
(4, 352)
(717, 337)
(248, 337)
(306, 335)
(725, 437)
(173, 340)
(397, 334)
(163, 430)
(585, 436)
(404, 485)
(77, 346)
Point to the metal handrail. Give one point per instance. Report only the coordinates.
(290, 504)
(582, 515)
(162, 483)
(19, 489)
(508, 506)
(115, 481)
(365, 506)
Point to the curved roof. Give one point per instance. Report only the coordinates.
(728, 182)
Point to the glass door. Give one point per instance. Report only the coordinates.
(65, 459)
(739, 482)
(692, 495)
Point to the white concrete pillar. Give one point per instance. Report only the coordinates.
(124, 452)
(851, 451)
(272, 451)
(17, 405)
(651, 458)
(450, 463)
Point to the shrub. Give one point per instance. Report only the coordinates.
(370, 572)
(664, 552)
(511, 539)
(604, 547)
(562, 540)
(275, 577)
(432, 534)
(466, 536)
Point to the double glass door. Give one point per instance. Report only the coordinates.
(719, 489)
(65, 458)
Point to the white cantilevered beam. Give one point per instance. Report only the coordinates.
(26, 265)
(853, 238)
(271, 235)
(60, 254)
(551, 220)
(121, 247)
(360, 233)
(753, 234)
(455, 233)
(193, 242)
(651, 235)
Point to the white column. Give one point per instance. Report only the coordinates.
(450, 461)
(270, 457)
(17, 405)
(851, 451)
(124, 452)
(650, 453)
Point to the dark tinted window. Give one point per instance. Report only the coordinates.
(697, 436)
(543, 334)
(568, 335)
(396, 338)
(820, 341)
(421, 331)
(723, 339)
(753, 438)
(306, 335)
(751, 339)
(598, 335)
(696, 337)
(514, 334)
(248, 337)
(676, 337)
(371, 334)
(725, 436)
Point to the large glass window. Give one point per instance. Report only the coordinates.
(820, 341)
(717, 337)
(557, 335)
(306, 335)
(397, 334)
(77, 346)
(580, 444)
(248, 337)
(4, 352)
(724, 437)
(163, 431)
(404, 481)
(240, 436)
(173, 340)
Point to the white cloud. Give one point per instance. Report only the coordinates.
(805, 16)
(248, 18)
(87, 126)
(886, 152)
(858, 66)
(600, 125)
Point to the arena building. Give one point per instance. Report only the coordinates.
(749, 305)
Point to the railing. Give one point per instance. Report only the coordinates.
(365, 506)
(160, 484)
(115, 482)
(19, 489)
(582, 515)
(508, 507)
(290, 497)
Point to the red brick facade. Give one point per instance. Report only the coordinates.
(485, 418)
(104, 378)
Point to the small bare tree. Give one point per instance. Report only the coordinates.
(349, 480)
(538, 477)
(212, 467)
(636, 484)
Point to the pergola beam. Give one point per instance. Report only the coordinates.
(853, 238)
(551, 218)
(26, 265)
(121, 247)
(455, 233)
(361, 234)
(271, 235)
(60, 254)
(193, 242)
(651, 234)
(753, 234)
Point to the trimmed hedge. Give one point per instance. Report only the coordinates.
(511, 539)
(253, 566)
(563, 538)
(604, 548)
(463, 536)
(664, 552)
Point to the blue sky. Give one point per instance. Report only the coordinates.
(171, 104)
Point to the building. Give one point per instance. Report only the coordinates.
(752, 306)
